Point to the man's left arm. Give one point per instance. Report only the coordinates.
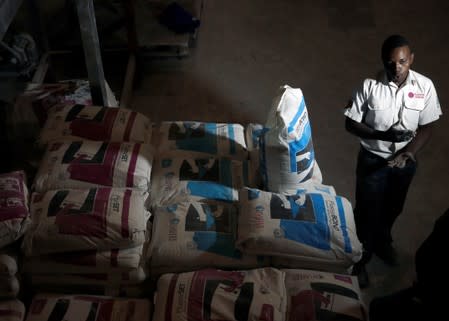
(409, 152)
(420, 140)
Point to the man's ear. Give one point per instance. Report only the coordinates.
(412, 58)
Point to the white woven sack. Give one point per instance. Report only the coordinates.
(93, 261)
(288, 156)
(87, 307)
(312, 187)
(72, 122)
(316, 295)
(305, 227)
(14, 210)
(178, 176)
(93, 219)
(221, 295)
(12, 310)
(9, 287)
(219, 139)
(86, 164)
(193, 235)
(254, 133)
(8, 265)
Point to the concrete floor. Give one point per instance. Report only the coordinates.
(248, 48)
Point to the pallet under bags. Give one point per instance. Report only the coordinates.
(77, 220)
(85, 164)
(46, 307)
(193, 235)
(221, 295)
(219, 139)
(314, 229)
(287, 154)
(178, 176)
(72, 122)
(12, 310)
(14, 210)
(316, 295)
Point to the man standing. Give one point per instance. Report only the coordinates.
(393, 116)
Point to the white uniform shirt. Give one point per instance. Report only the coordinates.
(380, 104)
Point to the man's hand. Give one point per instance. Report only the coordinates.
(400, 160)
(396, 135)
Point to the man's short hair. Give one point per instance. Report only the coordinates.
(392, 42)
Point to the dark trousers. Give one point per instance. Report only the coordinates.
(401, 305)
(380, 197)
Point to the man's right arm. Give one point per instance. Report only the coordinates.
(364, 131)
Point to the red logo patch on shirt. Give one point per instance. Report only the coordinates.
(415, 95)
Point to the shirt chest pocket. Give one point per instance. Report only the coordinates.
(376, 104)
(379, 114)
(412, 109)
(416, 104)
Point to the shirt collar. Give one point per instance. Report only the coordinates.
(410, 80)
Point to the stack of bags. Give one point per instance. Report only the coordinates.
(259, 294)
(198, 170)
(222, 202)
(14, 221)
(88, 208)
(293, 217)
(86, 239)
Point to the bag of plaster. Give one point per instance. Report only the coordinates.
(79, 122)
(135, 276)
(193, 235)
(178, 176)
(254, 140)
(86, 164)
(287, 154)
(141, 290)
(8, 265)
(221, 295)
(90, 261)
(9, 287)
(220, 139)
(46, 307)
(14, 209)
(12, 310)
(313, 228)
(92, 219)
(316, 295)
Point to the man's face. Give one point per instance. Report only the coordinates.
(398, 64)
